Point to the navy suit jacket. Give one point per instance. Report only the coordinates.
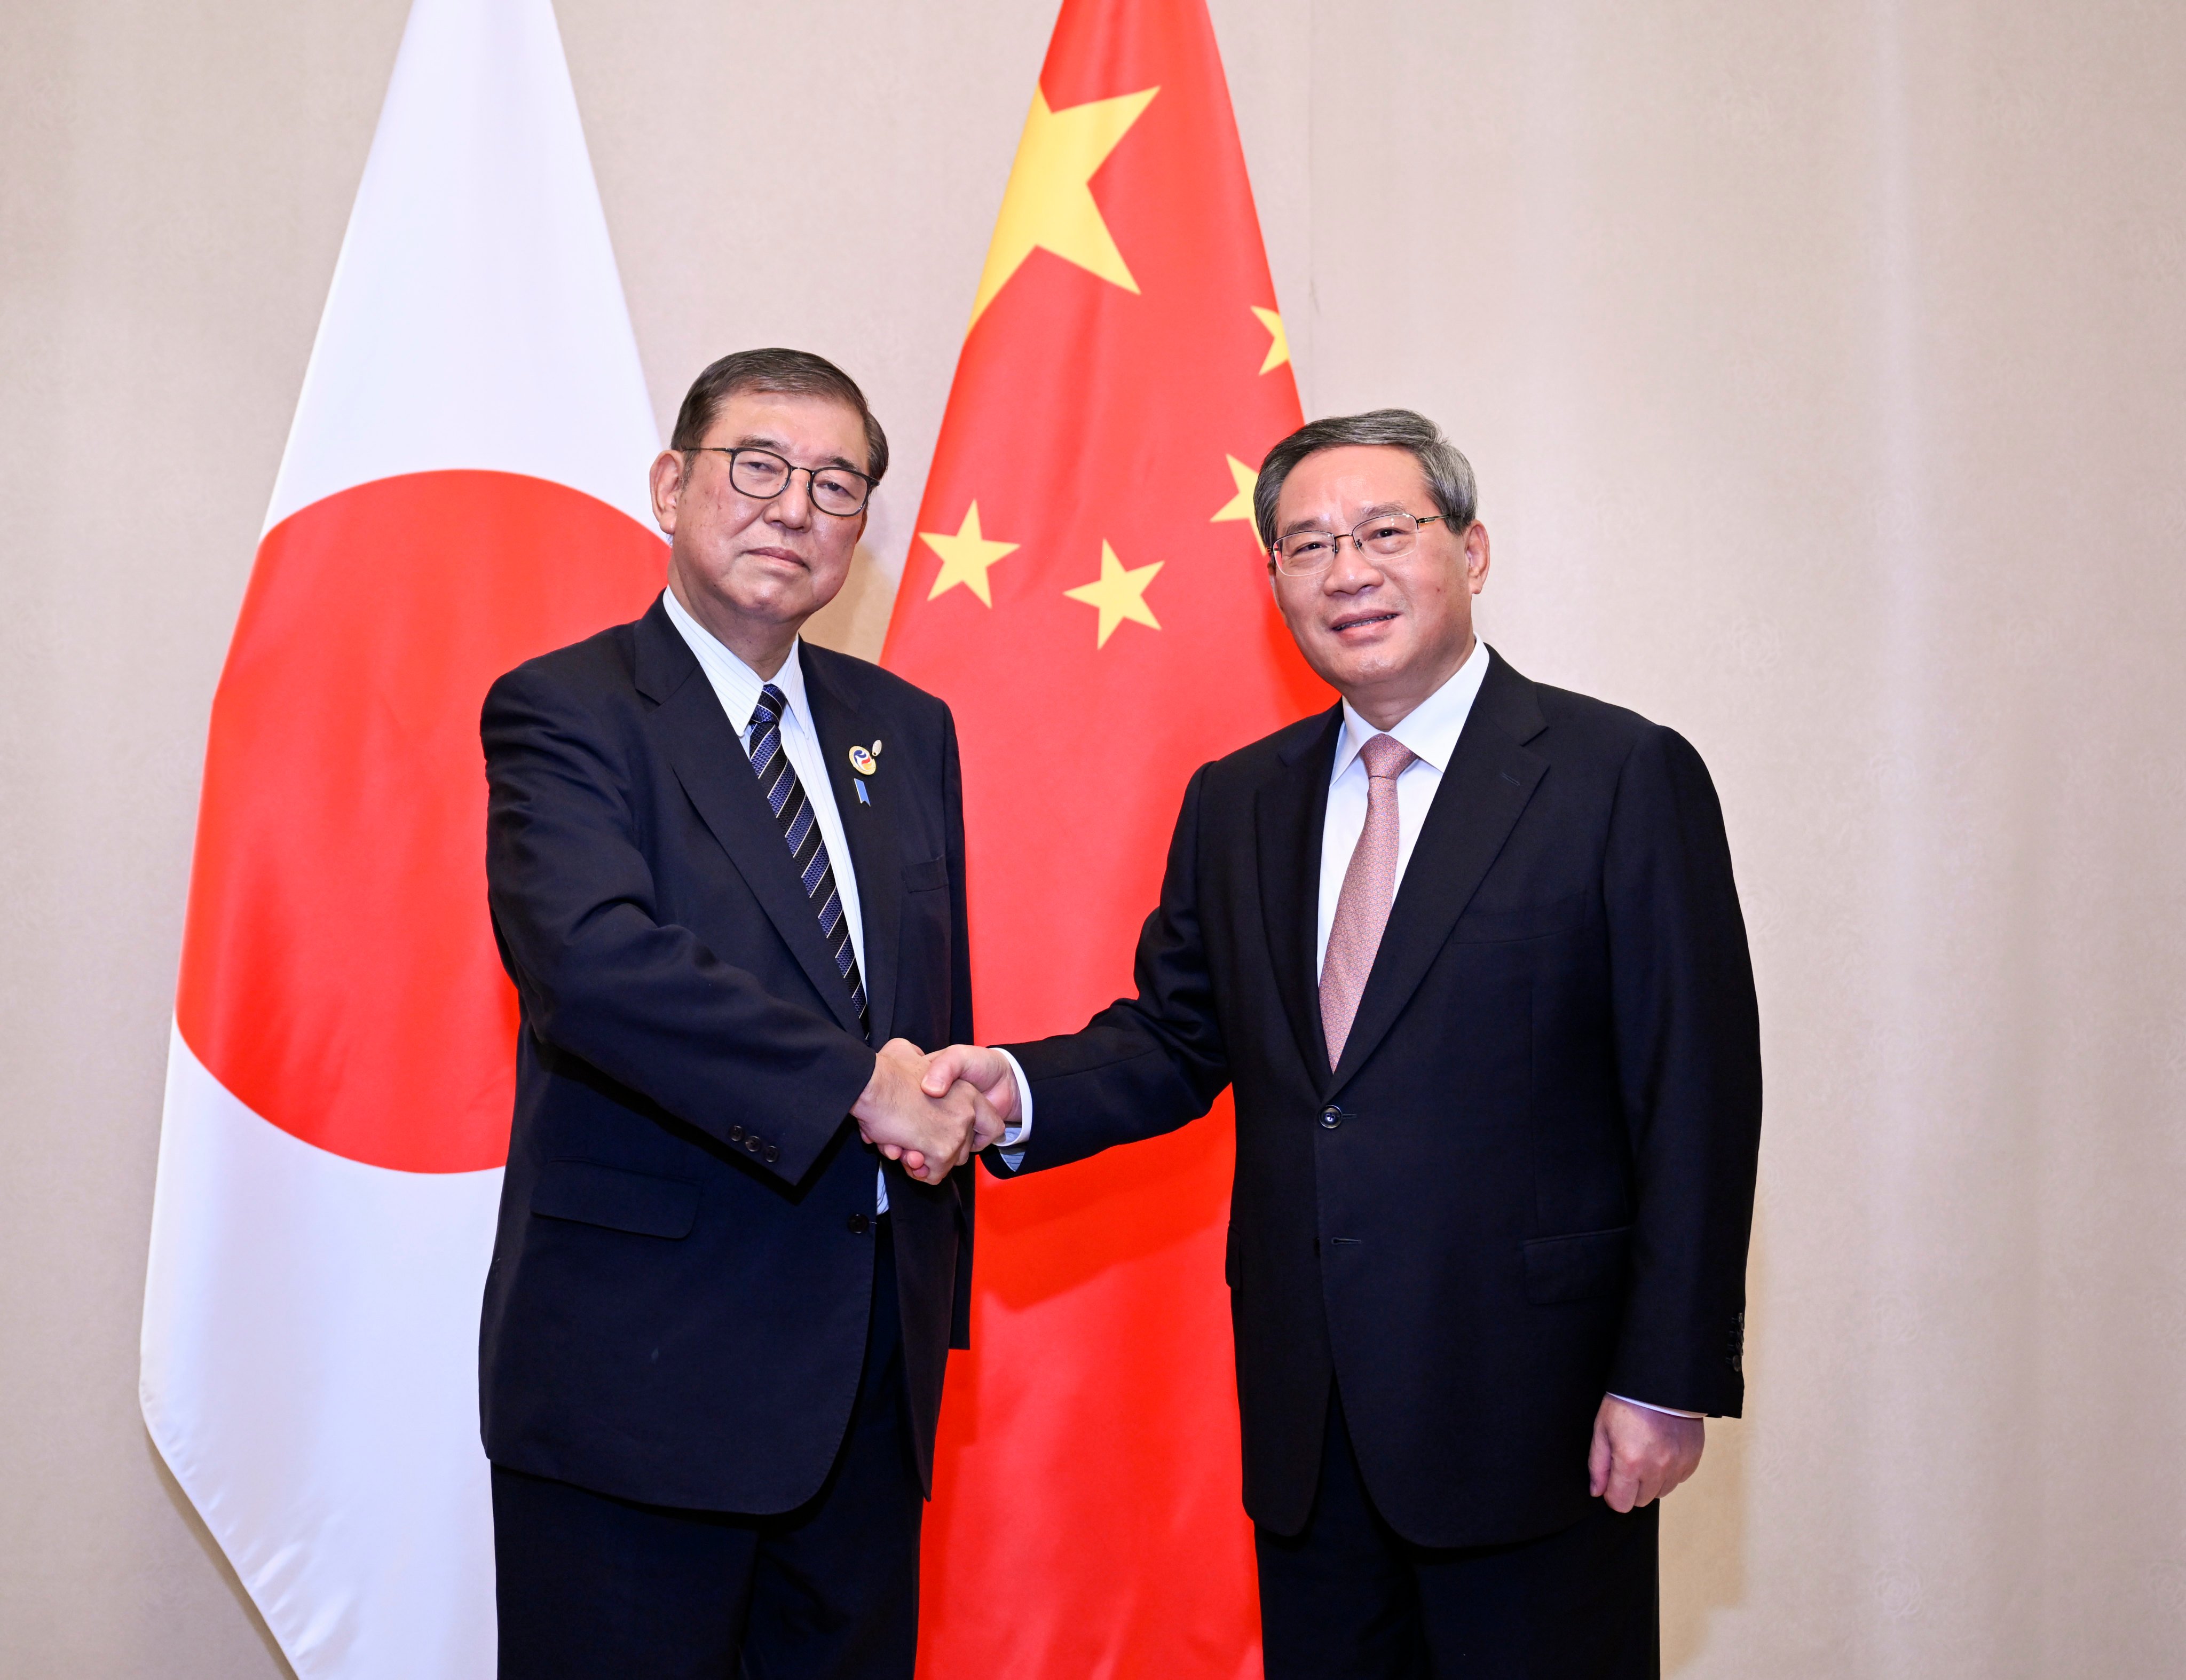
(677, 1306)
(1530, 1180)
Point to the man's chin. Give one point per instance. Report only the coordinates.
(783, 604)
(1348, 668)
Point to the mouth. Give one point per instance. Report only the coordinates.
(787, 557)
(1359, 621)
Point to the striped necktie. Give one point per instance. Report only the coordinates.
(800, 828)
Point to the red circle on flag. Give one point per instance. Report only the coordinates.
(339, 975)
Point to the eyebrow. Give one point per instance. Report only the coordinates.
(760, 440)
(1375, 511)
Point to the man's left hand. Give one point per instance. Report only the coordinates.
(1639, 1455)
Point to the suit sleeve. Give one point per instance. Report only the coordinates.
(603, 977)
(1147, 1064)
(1688, 1067)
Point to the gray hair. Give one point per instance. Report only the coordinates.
(1448, 474)
(790, 372)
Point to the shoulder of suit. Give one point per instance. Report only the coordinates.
(606, 659)
(1566, 708)
(1270, 755)
(1597, 727)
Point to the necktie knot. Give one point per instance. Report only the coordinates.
(772, 703)
(1386, 758)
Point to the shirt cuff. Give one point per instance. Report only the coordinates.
(1667, 1411)
(1011, 1145)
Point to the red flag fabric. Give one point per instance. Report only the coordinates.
(1085, 589)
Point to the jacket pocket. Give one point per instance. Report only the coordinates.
(1526, 921)
(929, 875)
(1583, 1267)
(593, 1194)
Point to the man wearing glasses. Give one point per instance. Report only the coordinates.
(726, 873)
(1469, 950)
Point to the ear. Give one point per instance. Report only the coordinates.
(667, 479)
(1475, 556)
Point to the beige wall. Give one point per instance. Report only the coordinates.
(1825, 369)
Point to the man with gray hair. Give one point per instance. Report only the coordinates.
(1470, 951)
(735, 1245)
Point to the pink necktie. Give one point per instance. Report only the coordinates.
(1362, 908)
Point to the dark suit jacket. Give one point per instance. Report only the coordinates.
(677, 1306)
(1530, 1179)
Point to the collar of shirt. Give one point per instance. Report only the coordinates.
(1431, 728)
(736, 684)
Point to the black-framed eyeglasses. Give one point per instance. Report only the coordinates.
(1302, 554)
(762, 475)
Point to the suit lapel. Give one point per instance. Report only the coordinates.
(869, 828)
(1290, 810)
(1490, 780)
(710, 761)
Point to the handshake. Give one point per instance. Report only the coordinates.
(935, 1113)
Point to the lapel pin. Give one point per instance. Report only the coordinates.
(862, 761)
(863, 798)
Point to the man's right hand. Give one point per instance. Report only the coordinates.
(931, 1134)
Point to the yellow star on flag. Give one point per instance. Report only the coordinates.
(1240, 505)
(965, 557)
(1118, 594)
(1279, 346)
(1048, 204)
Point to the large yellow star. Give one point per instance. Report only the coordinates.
(1240, 505)
(965, 557)
(1048, 204)
(1279, 345)
(1118, 594)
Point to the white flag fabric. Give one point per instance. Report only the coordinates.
(463, 487)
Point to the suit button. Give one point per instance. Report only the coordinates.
(1331, 1117)
(751, 1143)
(858, 1224)
(736, 1134)
(773, 1151)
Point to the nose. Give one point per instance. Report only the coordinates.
(1352, 570)
(792, 505)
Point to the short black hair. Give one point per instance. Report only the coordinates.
(791, 372)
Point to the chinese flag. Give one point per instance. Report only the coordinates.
(1086, 590)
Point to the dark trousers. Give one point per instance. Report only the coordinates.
(1348, 1598)
(590, 1586)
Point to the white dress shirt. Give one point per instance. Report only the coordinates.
(736, 685)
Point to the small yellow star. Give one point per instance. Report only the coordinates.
(1118, 594)
(965, 557)
(1048, 204)
(1279, 346)
(1240, 505)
